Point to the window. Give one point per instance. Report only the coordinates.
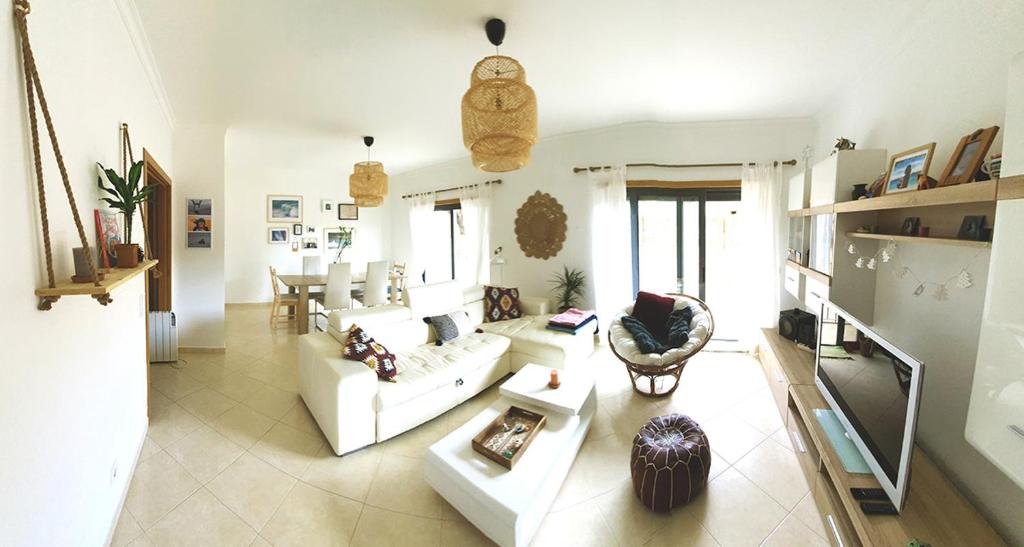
(448, 236)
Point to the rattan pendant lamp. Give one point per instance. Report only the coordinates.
(499, 112)
(368, 183)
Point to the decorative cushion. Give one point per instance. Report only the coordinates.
(653, 311)
(501, 303)
(449, 326)
(362, 347)
(669, 462)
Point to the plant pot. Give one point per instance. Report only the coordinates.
(859, 191)
(127, 255)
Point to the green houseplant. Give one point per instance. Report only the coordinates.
(127, 195)
(569, 287)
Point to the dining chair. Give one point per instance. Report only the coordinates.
(398, 269)
(376, 291)
(338, 294)
(288, 300)
(311, 265)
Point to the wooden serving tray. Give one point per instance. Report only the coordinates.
(495, 439)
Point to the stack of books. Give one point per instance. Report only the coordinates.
(573, 320)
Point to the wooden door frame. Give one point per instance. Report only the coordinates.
(159, 226)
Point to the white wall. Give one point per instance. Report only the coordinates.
(261, 162)
(69, 410)
(944, 84)
(550, 170)
(198, 275)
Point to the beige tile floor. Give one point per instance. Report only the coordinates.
(234, 458)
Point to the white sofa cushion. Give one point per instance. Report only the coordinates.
(626, 346)
(427, 367)
(434, 299)
(534, 342)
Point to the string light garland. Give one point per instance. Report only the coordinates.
(940, 289)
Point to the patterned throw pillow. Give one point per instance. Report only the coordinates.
(449, 326)
(500, 304)
(361, 347)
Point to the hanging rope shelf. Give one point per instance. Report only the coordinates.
(98, 287)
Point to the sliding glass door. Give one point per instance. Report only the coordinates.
(687, 241)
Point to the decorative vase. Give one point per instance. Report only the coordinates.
(859, 191)
(127, 255)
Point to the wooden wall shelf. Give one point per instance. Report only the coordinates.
(113, 278)
(918, 239)
(811, 211)
(974, 192)
(1011, 188)
(810, 272)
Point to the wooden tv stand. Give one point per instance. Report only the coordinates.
(934, 512)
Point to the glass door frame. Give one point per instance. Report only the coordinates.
(679, 195)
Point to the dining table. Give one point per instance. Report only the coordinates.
(302, 283)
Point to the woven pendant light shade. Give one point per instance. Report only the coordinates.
(368, 184)
(499, 115)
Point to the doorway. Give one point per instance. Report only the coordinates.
(158, 232)
(687, 241)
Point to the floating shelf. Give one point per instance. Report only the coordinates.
(919, 239)
(1011, 188)
(811, 211)
(810, 272)
(973, 192)
(113, 278)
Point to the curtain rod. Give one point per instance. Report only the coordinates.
(452, 189)
(674, 166)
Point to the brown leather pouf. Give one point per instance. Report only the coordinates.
(670, 462)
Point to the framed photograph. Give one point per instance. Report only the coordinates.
(910, 226)
(203, 207)
(295, 245)
(348, 211)
(284, 209)
(909, 170)
(277, 235)
(296, 229)
(968, 157)
(972, 228)
(310, 243)
(200, 223)
(326, 206)
(199, 240)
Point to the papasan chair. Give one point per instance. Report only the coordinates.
(657, 374)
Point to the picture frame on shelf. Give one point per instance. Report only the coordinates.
(910, 226)
(277, 236)
(296, 229)
(908, 170)
(284, 208)
(348, 211)
(972, 228)
(968, 157)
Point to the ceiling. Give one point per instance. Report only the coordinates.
(397, 69)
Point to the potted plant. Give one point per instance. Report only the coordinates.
(127, 196)
(569, 286)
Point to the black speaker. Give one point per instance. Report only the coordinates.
(799, 326)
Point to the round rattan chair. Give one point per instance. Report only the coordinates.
(661, 370)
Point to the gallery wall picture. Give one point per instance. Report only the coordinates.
(199, 223)
(326, 206)
(348, 211)
(310, 242)
(277, 235)
(296, 229)
(284, 209)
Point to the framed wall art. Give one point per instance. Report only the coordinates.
(199, 223)
(967, 158)
(277, 236)
(284, 209)
(348, 211)
(296, 229)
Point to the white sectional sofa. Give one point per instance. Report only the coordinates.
(355, 409)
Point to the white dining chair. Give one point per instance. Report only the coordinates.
(376, 291)
(311, 265)
(338, 294)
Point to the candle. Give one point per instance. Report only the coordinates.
(553, 384)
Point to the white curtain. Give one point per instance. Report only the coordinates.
(762, 228)
(610, 250)
(421, 208)
(472, 265)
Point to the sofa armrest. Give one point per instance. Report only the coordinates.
(534, 305)
(339, 392)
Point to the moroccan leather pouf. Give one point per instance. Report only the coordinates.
(670, 462)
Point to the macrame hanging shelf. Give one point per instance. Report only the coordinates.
(98, 288)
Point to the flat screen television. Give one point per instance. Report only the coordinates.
(874, 388)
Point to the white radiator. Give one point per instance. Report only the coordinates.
(163, 337)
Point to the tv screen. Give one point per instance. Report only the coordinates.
(874, 388)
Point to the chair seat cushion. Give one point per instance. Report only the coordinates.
(627, 348)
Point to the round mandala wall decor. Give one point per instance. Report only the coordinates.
(540, 226)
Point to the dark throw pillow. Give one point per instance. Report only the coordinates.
(362, 347)
(653, 310)
(501, 303)
(678, 327)
(449, 326)
(645, 341)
